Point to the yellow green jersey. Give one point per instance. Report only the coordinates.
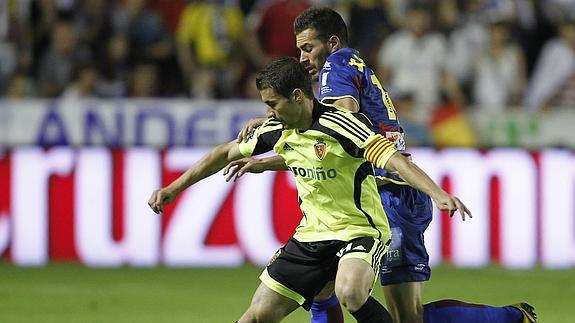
(332, 164)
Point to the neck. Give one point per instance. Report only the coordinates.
(306, 117)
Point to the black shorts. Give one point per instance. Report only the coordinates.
(300, 270)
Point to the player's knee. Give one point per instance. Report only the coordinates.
(257, 313)
(352, 297)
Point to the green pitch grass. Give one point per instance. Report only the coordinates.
(70, 293)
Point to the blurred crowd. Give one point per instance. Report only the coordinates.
(492, 54)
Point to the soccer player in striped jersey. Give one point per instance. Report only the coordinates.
(346, 82)
(344, 231)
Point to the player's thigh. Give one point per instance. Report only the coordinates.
(268, 305)
(354, 273)
(301, 270)
(326, 292)
(404, 297)
(359, 264)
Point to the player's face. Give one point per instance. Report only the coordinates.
(313, 52)
(287, 111)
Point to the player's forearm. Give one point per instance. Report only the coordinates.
(273, 163)
(208, 165)
(414, 176)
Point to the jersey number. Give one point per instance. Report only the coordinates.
(385, 98)
(358, 62)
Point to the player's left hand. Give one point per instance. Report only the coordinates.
(237, 168)
(160, 198)
(250, 127)
(452, 203)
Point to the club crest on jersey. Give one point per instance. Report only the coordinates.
(320, 149)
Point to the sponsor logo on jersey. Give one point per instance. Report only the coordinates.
(320, 149)
(319, 173)
(287, 147)
(344, 250)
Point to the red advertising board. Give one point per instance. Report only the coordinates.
(90, 205)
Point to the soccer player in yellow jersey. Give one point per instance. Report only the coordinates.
(344, 231)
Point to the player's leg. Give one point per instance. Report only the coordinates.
(300, 270)
(325, 307)
(406, 265)
(356, 276)
(268, 306)
(404, 301)
(454, 311)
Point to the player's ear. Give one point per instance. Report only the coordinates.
(297, 95)
(334, 43)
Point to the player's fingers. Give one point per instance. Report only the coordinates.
(247, 134)
(152, 201)
(242, 170)
(159, 200)
(232, 173)
(242, 135)
(228, 166)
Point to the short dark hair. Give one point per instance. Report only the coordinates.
(325, 21)
(285, 75)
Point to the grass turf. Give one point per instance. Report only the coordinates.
(71, 293)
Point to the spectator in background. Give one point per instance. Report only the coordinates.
(368, 25)
(416, 134)
(57, 64)
(19, 86)
(208, 41)
(15, 39)
(114, 67)
(84, 84)
(93, 25)
(149, 39)
(553, 81)
(499, 76)
(468, 37)
(170, 12)
(413, 59)
(263, 26)
(144, 81)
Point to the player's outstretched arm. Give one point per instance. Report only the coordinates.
(208, 165)
(418, 179)
(237, 168)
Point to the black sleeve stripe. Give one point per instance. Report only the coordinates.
(347, 144)
(345, 126)
(345, 118)
(266, 141)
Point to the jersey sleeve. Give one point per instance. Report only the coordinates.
(338, 80)
(263, 139)
(357, 130)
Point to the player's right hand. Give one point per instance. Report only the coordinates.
(237, 168)
(160, 198)
(452, 203)
(249, 128)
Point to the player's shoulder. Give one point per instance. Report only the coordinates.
(271, 124)
(340, 58)
(354, 122)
